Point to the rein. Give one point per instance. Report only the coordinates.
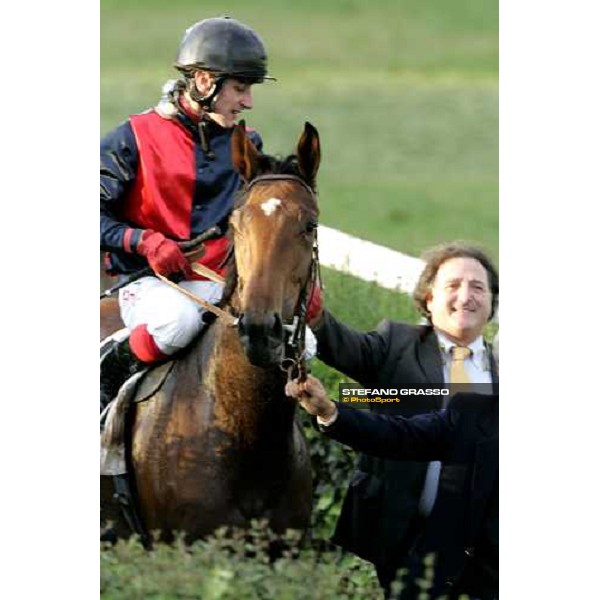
(219, 312)
(294, 362)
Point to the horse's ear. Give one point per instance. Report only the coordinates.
(309, 153)
(244, 153)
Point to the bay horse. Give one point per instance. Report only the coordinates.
(218, 443)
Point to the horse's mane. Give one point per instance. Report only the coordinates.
(267, 164)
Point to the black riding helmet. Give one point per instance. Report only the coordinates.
(225, 47)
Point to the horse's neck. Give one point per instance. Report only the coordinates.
(248, 401)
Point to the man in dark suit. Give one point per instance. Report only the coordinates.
(458, 293)
(462, 531)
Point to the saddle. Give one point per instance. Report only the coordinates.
(113, 420)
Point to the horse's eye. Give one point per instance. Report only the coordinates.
(310, 226)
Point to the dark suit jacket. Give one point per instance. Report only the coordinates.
(463, 528)
(395, 354)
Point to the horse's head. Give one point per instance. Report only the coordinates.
(274, 233)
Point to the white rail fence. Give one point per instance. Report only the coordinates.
(371, 262)
(368, 261)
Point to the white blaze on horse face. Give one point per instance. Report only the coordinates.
(270, 205)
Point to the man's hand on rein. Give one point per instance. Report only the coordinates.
(312, 397)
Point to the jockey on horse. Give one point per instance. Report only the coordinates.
(166, 175)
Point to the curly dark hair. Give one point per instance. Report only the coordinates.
(436, 256)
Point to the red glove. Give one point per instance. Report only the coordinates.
(164, 256)
(314, 310)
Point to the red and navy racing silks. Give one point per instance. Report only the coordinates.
(154, 174)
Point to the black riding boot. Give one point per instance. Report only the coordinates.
(116, 366)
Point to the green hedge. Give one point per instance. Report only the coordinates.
(233, 565)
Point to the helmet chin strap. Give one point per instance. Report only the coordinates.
(207, 101)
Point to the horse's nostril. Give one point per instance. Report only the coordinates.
(270, 324)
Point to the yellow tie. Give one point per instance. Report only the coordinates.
(458, 373)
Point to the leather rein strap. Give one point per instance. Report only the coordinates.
(219, 312)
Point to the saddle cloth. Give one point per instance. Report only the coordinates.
(113, 434)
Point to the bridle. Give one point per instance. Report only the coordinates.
(293, 361)
(280, 177)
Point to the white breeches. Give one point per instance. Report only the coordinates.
(172, 319)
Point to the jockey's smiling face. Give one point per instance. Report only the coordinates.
(460, 301)
(234, 97)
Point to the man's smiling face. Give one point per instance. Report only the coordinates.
(460, 301)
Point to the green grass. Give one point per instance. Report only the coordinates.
(404, 95)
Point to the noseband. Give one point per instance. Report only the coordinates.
(293, 362)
